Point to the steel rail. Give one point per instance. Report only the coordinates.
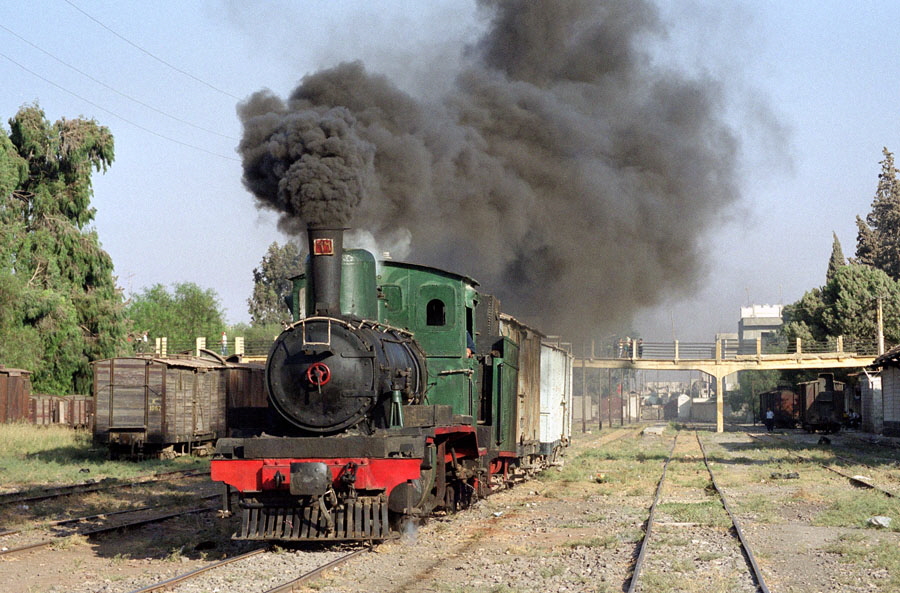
(745, 546)
(289, 587)
(58, 522)
(161, 586)
(87, 487)
(639, 563)
(102, 530)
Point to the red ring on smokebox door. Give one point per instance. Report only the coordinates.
(318, 374)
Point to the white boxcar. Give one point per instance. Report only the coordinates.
(556, 398)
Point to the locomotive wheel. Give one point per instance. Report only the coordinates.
(403, 524)
(450, 500)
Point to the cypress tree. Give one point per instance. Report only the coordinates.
(837, 260)
(271, 284)
(878, 237)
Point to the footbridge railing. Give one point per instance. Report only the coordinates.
(731, 349)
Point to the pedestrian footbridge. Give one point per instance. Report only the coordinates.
(724, 357)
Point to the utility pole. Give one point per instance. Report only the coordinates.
(584, 407)
(880, 328)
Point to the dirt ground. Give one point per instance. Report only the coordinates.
(575, 528)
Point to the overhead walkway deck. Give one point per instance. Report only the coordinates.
(724, 357)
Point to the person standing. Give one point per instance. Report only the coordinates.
(770, 420)
(224, 344)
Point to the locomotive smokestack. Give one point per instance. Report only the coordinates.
(325, 254)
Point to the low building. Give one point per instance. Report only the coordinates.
(889, 366)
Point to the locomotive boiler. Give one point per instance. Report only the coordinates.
(380, 414)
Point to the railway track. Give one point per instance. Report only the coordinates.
(856, 479)
(95, 531)
(29, 496)
(634, 583)
(321, 565)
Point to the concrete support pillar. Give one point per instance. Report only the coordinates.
(720, 404)
(200, 344)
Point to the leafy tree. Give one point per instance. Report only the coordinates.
(803, 319)
(62, 308)
(878, 237)
(846, 306)
(837, 260)
(851, 302)
(186, 313)
(272, 286)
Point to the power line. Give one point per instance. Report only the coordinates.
(158, 59)
(103, 84)
(116, 115)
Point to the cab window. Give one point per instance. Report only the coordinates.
(435, 313)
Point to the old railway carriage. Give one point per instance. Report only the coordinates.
(163, 406)
(822, 405)
(378, 413)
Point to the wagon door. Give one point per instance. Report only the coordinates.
(505, 376)
(556, 389)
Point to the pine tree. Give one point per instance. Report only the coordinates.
(837, 260)
(64, 306)
(878, 237)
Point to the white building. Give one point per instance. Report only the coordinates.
(758, 321)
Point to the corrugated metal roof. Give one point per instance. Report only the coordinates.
(889, 358)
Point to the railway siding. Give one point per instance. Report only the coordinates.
(574, 528)
(809, 524)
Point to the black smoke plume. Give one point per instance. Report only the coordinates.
(565, 170)
(309, 165)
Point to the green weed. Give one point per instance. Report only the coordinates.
(854, 509)
(55, 455)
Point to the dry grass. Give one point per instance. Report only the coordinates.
(38, 456)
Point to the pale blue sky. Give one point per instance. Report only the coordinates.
(825, 72)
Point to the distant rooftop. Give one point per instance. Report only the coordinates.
(756, 311)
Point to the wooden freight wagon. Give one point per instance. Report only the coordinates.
(15, 389)
(247, 401)
(556, 398)
(822, 404)
(77, 411)
(44, 409)
(527, 413)
(785, 404)
(159, 406)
